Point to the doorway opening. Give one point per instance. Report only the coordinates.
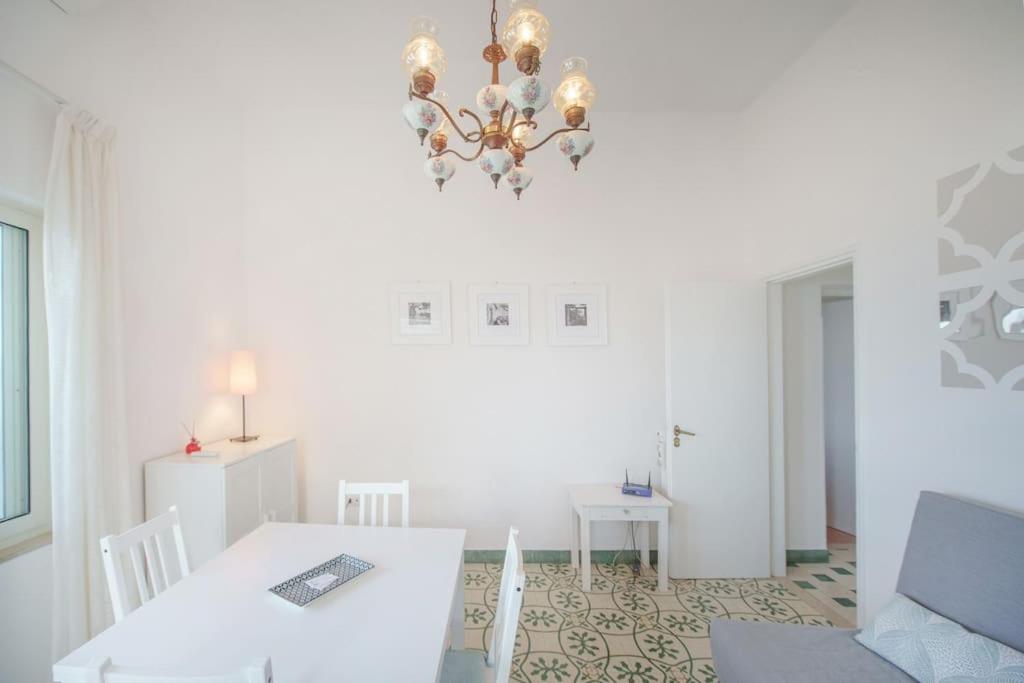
(813, 435)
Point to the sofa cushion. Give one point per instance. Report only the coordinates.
(932, 648)
(755, 652)
(965, 562)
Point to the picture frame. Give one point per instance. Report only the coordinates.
(577, 315)
(499, 314)
(421, 313)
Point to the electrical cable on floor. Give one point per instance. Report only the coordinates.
(630, 541)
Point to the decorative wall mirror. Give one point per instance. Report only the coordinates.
(981, 275)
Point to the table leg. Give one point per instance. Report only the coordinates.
(663, 553)
(645, 542)
(458, 616)
(574, 538)
(585, 549)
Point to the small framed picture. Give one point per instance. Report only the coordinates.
(577, 315)
(499, 315)
(421, 313)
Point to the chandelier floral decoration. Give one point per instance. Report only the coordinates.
(503, 141)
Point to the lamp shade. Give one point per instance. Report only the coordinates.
(242, 375)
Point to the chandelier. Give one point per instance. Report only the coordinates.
(503, 137)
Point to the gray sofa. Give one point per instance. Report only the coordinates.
(962, 560)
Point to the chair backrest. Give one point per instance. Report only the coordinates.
(506, 616)
(965, 561)
(103, 671)
(368, 494)
(149, 560)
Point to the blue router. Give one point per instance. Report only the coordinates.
(642, 490)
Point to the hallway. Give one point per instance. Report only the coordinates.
(831, 585)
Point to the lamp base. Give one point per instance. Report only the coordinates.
(244, 439)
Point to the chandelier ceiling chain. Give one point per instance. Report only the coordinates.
(494, 22)
(503, 142)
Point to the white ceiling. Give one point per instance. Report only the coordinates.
(645, 55)
(77, 6)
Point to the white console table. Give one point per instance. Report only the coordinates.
(222, 498)
(606, 503)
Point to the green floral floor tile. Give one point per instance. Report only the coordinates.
(623, 631)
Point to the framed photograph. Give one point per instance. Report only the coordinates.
(577, 315)
(421, 313)
(499, 315)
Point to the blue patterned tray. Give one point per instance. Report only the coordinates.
(310, 585)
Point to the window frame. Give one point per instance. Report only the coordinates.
(31, 530)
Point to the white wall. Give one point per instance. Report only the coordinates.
(488, 436)
(845, 151)
(26, 135)
(840, 481)
(26, 596)
(804, 406)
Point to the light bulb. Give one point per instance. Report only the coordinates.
(441, 97)
(575, 95)
(521, 134)
(423, 57)
(439, 138)
(526, 35)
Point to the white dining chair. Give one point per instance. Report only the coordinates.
(103, 671)
(368, 495)
(465, 666)
(147, 549)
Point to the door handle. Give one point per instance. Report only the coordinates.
(679, 431)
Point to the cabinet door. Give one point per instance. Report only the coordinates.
(277, 484)
(242, 498)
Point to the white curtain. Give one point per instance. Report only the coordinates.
(83, 313)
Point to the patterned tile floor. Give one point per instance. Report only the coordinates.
(622, 631)
(834, 584)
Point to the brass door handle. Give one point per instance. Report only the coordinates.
(679, 431)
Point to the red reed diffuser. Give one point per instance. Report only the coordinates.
(193, 443)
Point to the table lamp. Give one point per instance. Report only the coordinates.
(242, 381)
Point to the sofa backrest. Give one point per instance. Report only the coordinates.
(966, 562)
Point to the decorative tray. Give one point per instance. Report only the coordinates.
(311, 584)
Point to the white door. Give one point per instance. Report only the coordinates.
(718, 479)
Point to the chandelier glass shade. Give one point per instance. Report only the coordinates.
(503, 132)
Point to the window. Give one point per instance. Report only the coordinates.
(24, 451)
(14, 451)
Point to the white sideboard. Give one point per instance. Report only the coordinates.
(222, 498)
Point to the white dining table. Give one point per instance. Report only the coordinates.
(388, 624)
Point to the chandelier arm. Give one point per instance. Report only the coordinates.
(479, 151)
(553, 134)
(479, 124)
(471, 136)
(511, 124)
